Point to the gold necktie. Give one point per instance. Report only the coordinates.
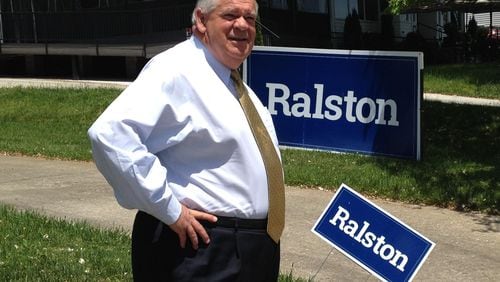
(274, 171)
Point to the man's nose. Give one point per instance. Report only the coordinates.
(241, 23)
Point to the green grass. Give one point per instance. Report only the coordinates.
(460, 166)
(460, 169)
(37, 248)
(472, 80)
(50, 122)
(34, 247)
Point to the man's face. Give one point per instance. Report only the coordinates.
(229, 31)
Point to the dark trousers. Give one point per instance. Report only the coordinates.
(234, 254)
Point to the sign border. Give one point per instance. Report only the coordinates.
(409, 54)
(343, 187)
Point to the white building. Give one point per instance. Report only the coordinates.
(484, 19)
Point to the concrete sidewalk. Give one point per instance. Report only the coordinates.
(467, 244)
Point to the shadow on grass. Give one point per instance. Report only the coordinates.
(482, 74)
(479, 75)
(460, 167)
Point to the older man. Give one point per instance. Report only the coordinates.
(192, 148)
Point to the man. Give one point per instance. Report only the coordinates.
(178, 146)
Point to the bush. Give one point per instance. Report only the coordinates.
(478, 46)
(372, 41)
(415, 42)
(352, 31)
(387, 32)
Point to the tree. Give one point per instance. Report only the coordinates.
(452, 32)
(352, 31)
(396, 6)
(387, 31)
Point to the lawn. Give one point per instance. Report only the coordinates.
(460, 169)
(38, 248)
(34, 247)
(472, 80)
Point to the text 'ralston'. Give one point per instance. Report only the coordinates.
(332, 107)
(369, 239)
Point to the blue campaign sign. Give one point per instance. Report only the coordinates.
(357, 101)
(376, 240)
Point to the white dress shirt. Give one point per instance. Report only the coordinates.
(178, 134)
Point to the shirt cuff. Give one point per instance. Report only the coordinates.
(172, 212)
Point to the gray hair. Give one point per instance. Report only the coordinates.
(207, 6)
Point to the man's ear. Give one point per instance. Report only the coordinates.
(200, 21)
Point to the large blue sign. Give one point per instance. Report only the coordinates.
(373, 238)
(360, 101)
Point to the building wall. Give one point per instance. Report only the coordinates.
(428, 23)
(483, 19)
(143, 28)
(404, 24)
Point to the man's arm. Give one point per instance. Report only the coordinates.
(123, 155)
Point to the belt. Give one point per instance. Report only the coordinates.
(234, 222)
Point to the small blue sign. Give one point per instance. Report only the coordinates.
(340, 100)
(374, 239)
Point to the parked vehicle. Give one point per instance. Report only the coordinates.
(494, 33)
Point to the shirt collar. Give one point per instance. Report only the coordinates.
(222, 71)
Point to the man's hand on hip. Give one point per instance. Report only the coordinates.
(188, 226)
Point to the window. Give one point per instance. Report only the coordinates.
(371, 10)
(275, 4)
(383, 5)
(361, 9)
(90, 3)
(344, 7)
(313, 6)
(368, 10)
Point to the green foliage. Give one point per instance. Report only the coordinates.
(36, 248)
(397, 6)
(289, 277)
(473, 80)
(460, 166)
(50, 122)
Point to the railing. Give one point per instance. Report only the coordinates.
(98, 26)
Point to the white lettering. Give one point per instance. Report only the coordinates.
(402, 264)
(282, 100)
(329, 105)
(371, 112)
(319, 101)
(368, 239)
(380, 242)
(301, 109)
(384, 255)
(362, 232)
(332, 107)
(350, 100)
(351, 228)
(381, 248)
(342, 215)
(381, 112)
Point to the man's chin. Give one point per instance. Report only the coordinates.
(241, 51)
(241, 45)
